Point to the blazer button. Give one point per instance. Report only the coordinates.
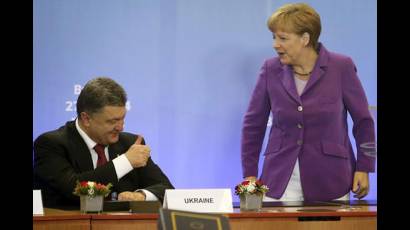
(299, 142)
(300, 108)
(300, 125)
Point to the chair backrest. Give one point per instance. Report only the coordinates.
(182, 220)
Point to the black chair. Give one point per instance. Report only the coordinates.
(182, 220)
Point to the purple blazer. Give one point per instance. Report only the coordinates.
(311, 127)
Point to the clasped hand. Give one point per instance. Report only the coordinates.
(131, 196)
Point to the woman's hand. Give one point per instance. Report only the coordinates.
(250, 178)
(360, 184)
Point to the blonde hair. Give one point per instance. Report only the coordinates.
(298, 18)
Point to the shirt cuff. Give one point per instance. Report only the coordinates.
(122, 166)
(149, 196)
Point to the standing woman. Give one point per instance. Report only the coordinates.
(309, 91)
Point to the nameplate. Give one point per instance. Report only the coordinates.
(37, 203)
(199, 200)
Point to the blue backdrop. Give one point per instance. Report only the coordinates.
(188, 66)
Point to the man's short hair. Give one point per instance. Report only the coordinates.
(98, 93)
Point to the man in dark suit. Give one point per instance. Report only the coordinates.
(71, 153)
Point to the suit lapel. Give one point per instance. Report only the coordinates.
(289, 83)
(79, 150)
(318, 73)
(114, 151)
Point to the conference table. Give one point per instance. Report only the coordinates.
(332, 216)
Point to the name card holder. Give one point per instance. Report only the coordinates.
(37, 203)
(199, 200)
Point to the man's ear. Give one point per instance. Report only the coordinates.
(85, 119)
(306, 38)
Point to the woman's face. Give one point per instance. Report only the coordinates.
(288, 46)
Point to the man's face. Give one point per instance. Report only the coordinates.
(104, 126)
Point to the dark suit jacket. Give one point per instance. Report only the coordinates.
(61, 157)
